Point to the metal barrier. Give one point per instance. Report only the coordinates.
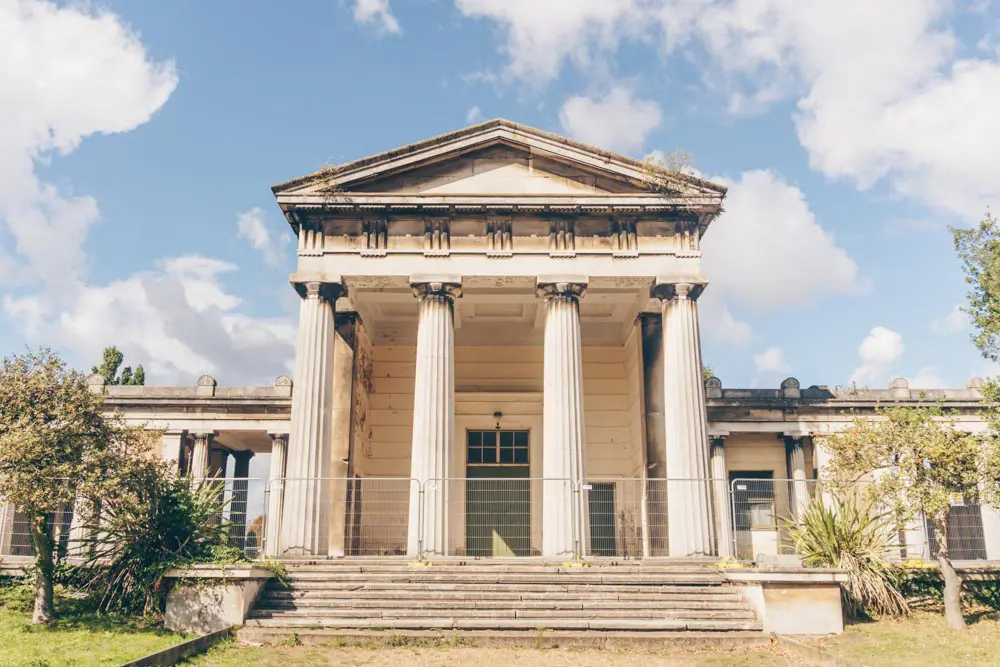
(621, 518)
(498, 517)
(761, 511)
(358, 516)
(243, 511)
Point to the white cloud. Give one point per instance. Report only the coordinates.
(178, 320)
(66, 73)
(718, 322)
(879, 351)
(955, 321)
(767, 250)
(793, 260)
(926, 378)
(250, 226)
(377, 12)
(618, 121)
(884, 92)
(541, 36)
(771, 360)
(473, 115)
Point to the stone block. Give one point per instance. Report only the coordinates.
(206, 599)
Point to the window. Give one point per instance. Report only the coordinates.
(496, 448)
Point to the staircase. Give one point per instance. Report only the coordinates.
(376, 595)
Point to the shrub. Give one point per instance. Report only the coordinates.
(852, 536)
(164, 523)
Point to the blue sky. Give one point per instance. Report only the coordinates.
(139, 141)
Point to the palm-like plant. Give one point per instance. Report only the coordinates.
(164, 523)
(853, 536)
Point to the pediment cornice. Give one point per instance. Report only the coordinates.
(345, 185)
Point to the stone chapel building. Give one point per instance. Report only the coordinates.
(499, 356)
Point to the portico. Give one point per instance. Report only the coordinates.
(471, 327)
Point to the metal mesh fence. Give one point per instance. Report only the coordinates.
(507, 517)
(360, 516)
(491, 517)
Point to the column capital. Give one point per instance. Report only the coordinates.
(204, 435)
(567, 288)
(316, 289)
(678, 291)
(717, 440)
(439, 286)
(279, 436)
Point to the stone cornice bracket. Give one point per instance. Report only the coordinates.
(439, 289)
(375, 236)
(437, 237)
(679, 291)
(320, 290)
(624, 241)
(560, 289)
(499, 238)
(310, 239)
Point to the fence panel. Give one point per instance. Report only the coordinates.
(761, 512)
(359, 516)
(492, 517)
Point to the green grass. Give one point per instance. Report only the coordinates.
(923, 639)
(76, 637)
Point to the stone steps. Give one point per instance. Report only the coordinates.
(732, 640)
(741, 614)
(499, 605)
(504, 597)
(305, 586)
(512, 578)
(465, 602)
(531, 624)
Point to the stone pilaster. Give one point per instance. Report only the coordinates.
(433, 416)
(341, 429)
(201, 455)
(721, 497)
(275, 492)
(562, 417)
(689, 513)
(305, 514)
(797, 473)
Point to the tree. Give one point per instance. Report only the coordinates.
(978, 249)
(113, 359)
(917, 463)
(706, 372)
(58, 448)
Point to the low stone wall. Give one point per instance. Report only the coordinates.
(802, 601)
(207, 598)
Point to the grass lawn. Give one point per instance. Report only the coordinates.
(923, 639)
(77, 637)
(235, 655)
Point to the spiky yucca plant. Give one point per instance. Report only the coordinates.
(164, 523)
(855, 537)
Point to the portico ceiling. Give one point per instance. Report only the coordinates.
(512, 315)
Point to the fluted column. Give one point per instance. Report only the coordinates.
(689, 513)
(305, 515)
(797, 472)
(720, 497)
(562, 418)
(433, 417)
(275, 492)
(200, 455)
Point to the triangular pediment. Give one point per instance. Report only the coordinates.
(497, 158)
(498, 169)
